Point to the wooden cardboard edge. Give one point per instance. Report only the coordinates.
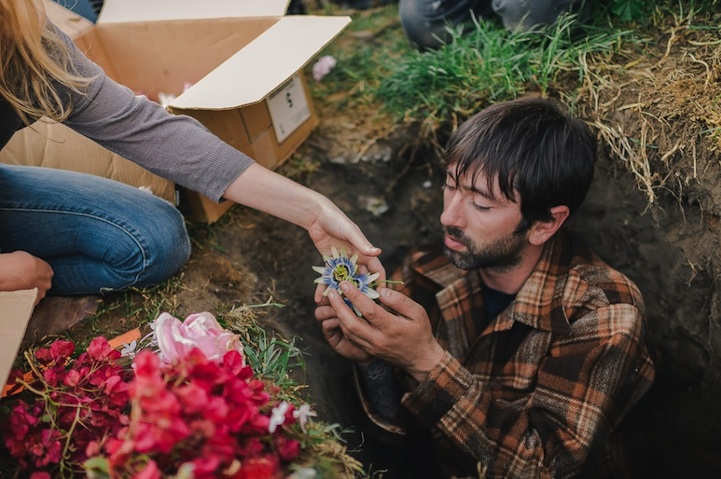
(16, 307)
(126, 11)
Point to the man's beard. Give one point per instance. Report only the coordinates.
(504, 253)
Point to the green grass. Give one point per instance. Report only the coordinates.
(487, 65)
(379, 74)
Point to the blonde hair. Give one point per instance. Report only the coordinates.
(33, 60)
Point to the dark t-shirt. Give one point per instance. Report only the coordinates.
(494, 302)
(11, 123)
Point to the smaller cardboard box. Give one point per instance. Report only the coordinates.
(16, 307)
(243, 60)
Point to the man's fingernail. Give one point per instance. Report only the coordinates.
(331, 295)
(344, 286)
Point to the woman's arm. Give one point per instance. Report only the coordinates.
(181, 149)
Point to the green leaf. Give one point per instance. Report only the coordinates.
(97, 468)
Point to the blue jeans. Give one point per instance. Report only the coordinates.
(426, 22)
(98, 235)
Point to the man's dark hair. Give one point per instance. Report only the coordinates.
(538, 153)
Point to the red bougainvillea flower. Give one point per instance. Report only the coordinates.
(191, 408)
(71, 405)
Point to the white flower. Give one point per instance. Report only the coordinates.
(302, 414)
(339, 267)
(277, 416)
(128, 350)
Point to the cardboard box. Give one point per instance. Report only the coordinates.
(242, 58)
(17, 307)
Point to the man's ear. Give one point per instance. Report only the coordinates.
(542, 231)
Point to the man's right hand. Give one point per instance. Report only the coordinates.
(20, 270)
(332, 333)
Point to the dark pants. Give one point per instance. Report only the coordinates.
(426, 22)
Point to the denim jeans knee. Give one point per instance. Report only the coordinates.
(97, 234)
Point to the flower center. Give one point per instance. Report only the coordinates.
(341, 273)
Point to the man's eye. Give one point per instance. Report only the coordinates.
(449, 187)
(480, 207)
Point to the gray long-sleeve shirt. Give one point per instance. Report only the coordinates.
(176, 147)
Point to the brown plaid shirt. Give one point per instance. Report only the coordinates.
(540, 391)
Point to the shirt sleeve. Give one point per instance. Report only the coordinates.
(176, 147)
(584, 387)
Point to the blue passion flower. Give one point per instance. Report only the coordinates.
(338, 268)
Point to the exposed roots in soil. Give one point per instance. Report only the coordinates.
(654, 114)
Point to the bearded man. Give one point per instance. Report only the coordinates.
(513, 351)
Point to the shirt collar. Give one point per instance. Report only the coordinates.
(539, 303)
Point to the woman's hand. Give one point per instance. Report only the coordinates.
(332, 228)
(20, 270)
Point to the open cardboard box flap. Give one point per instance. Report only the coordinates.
(248, 77)
(17, 307)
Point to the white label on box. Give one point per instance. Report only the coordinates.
(288, 108)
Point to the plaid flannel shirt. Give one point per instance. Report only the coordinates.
(540, 391)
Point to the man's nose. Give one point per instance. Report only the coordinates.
(452, 212)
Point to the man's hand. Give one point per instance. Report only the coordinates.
(20, 270)
(401, 336)
(332, 333)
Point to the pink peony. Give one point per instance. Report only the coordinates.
(323, 66)
(201, 330)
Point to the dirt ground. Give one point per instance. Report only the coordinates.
(653, 213)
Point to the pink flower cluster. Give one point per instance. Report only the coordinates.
(190, 409)
(77, 404)
(208, 417)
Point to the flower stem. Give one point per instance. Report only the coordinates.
(387, 281)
